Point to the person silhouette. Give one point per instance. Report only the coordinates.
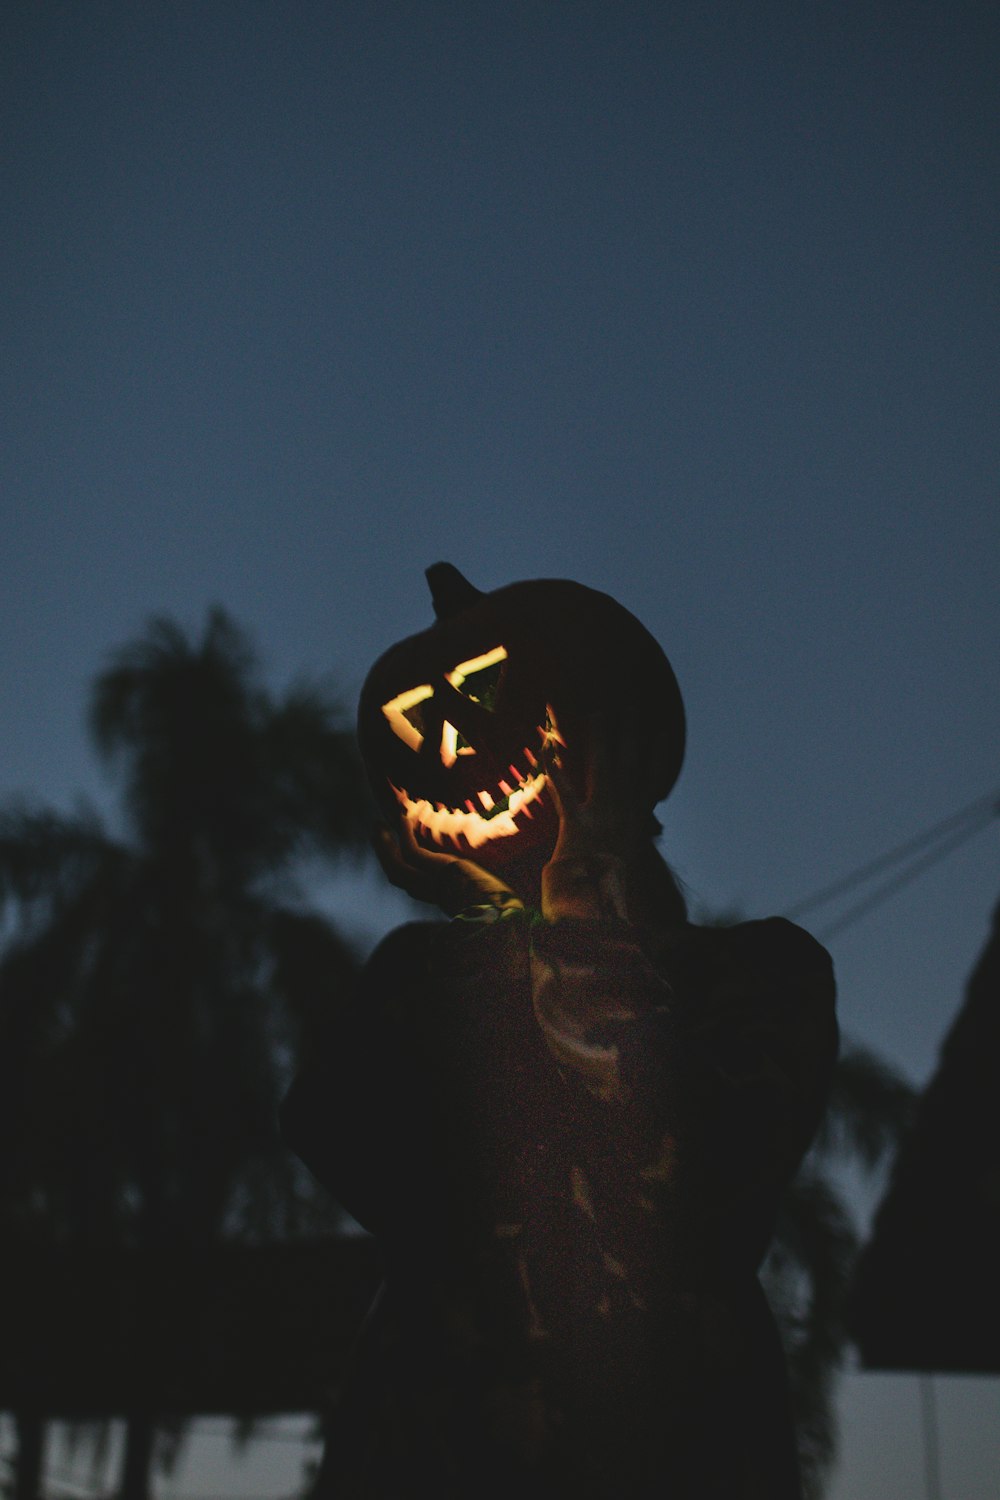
(568, 1113)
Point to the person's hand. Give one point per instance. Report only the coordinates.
(605, 815)
(444, 880)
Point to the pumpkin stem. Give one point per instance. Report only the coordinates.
(451, 592)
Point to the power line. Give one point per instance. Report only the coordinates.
(971, 818)
(897, 882)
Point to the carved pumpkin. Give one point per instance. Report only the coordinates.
(453, 723)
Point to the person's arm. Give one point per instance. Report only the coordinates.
(601, 1005)
(448, 881)
(761, 1045)
(731, 1077)
(351, 1114)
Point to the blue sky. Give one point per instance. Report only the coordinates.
(693, 303)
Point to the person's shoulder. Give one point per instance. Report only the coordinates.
(407, 938)
(402, 952)
(773, 950)
(777, 940)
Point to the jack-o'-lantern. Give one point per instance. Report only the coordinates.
(455, 723)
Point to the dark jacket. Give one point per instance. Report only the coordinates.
(571, 1138)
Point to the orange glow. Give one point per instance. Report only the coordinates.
(396, 710)
(450, 748)
(476, 664)
(496, 822)
(470, 826)
(550, 733)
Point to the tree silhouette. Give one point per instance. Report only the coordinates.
(808, 1270)
(155, 988)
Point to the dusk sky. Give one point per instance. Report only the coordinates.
(694, 303)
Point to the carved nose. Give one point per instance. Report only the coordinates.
(450, 748)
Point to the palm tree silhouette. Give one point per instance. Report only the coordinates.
(155, 988)
(809, 1268)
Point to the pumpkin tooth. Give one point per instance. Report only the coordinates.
(506, 788)
(469, 829)
(515, 772)
(530, 758)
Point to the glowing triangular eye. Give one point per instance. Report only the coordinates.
(404, 714)
(479, 678)
(453, 745)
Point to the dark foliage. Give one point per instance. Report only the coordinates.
(809, 1270)
(154, 990)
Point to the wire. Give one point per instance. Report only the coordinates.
(980, 812)
(897, 882)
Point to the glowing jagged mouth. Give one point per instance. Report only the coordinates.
(494, 818)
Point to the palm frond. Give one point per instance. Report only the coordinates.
(312, 760)
(811, 1261)
(871, 1106)
(46, 855)
(806, 1277)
